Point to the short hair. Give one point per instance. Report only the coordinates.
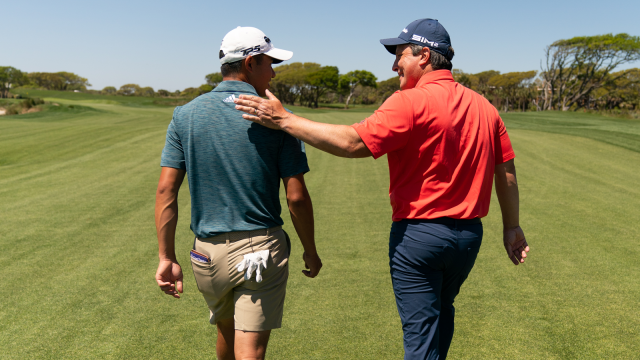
(438, 61)
(234, 68)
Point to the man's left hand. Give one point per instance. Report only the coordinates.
(515, 244)
(168, 273)
(269, 113)
(313, 263)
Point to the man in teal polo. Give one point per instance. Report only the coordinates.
(234, 170)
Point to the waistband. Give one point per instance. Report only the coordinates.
(239, 235)
(443, 221)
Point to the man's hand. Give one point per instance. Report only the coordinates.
(313, 263)
(515, 244)
(169, 272)
(269, 113)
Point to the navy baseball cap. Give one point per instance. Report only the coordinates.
(425, 32)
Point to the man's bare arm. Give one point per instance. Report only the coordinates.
(507, 190)
(166, 214)
(301, 210)
(338, 140)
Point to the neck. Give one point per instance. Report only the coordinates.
(427, 69)
(236, 77)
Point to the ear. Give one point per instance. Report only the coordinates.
(425, 56)
(249, 63)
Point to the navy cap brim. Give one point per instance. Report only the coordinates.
(391, 43)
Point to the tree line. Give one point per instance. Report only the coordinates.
(310, 84)
(575, 73)
(11, 77)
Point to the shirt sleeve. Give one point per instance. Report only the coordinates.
(504, 150)
(293, 157)
(173, 153)
(389, 127)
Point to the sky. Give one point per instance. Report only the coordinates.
(172, 45)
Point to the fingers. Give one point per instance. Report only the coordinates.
(248, 109)
(253, 118)
(170, 289)
(249, 98)
(524, 249)
(311, 273)
(519, 254)
(270, 95)
(521, 250)
(314, 272)
(168, 273)
(312, 263)
(516, 245)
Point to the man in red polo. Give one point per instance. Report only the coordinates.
(444, 144)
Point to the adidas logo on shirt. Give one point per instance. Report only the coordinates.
(230, 98)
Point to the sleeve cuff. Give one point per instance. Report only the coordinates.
(304, 171)
(173, 164)
(506, 157)
(375, 151)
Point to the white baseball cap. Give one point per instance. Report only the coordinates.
(244, 41)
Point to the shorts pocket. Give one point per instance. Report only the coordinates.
(280, 250)
(288, 240)
(203, 273)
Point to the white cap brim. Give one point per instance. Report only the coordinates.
(279, 54)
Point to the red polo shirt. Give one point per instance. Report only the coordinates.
(442, 142)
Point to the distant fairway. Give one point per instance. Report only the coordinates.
(78, 250)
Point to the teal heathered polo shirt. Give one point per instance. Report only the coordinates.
(234, 166)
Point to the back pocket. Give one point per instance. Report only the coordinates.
(203, 273)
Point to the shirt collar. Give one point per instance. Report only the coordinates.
(435, 76)
(235, 86)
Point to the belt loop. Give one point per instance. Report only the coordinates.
(268, 231)
(227, 238)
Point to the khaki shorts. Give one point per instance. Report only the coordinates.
(254, 306)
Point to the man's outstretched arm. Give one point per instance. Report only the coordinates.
(166, 214)
(507, 190)
(338, 140)
(301, 210)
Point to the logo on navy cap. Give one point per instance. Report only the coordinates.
(424, 40)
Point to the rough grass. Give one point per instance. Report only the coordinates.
(78, 250)
(86, 98)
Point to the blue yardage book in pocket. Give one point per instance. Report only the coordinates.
(196, 256)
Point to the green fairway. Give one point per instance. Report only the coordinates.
(78, 251)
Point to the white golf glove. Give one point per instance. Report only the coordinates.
(255, 261)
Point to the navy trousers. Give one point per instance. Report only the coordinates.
(429, 261)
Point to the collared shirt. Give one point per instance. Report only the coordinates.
(233, 166)
(442, 142)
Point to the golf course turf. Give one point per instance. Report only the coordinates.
(78, 251)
